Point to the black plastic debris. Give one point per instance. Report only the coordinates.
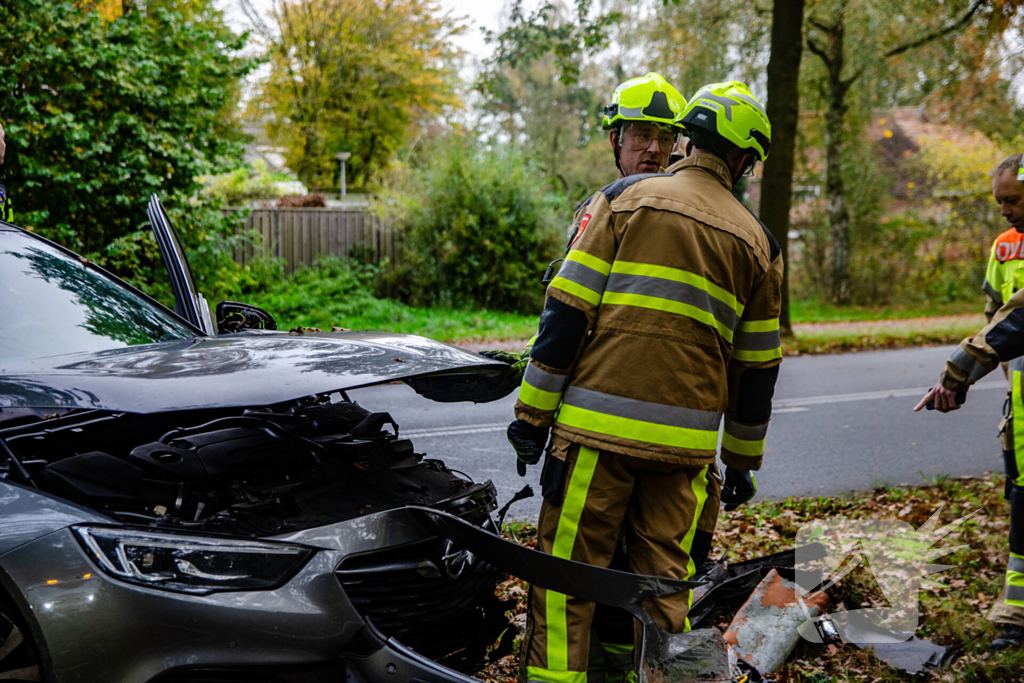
(903, 651)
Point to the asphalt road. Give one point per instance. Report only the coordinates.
(840, 423)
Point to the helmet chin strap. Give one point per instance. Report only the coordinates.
(618, 143)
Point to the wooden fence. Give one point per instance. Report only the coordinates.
(299, 236)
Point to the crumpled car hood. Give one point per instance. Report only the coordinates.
(253, 368)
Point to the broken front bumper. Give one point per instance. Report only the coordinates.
(392, 661)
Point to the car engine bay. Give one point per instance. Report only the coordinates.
(252, 472)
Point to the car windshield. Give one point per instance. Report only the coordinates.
(52, 304)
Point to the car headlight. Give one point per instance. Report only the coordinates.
(190, 564)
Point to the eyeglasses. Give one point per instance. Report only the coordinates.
(639, 137)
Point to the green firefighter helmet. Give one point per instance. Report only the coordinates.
(730, 110)
(647, 98)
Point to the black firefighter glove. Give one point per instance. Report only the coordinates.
(739, 487)
(528, 442)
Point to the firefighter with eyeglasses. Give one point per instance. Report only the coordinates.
(663, 320)
(1001, 341)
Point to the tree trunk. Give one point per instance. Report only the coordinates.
(838, 212)
(783, 111)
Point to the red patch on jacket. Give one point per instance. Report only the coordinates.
(579, 231)
(1010, 246)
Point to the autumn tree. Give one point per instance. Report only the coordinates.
(352, 76)
(850, 38)
(544, 94)
(695, 42)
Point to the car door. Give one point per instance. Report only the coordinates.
(188, 302)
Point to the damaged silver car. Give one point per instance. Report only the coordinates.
(188, 501)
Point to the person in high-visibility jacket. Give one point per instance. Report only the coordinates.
(642, 121)
(1001, 341)
(6, 207)
(664, 319)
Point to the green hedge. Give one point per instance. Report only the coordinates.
(480, 227)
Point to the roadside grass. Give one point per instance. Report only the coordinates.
(952, 613)
(443, 324)
(813, 311)
(819, 338)
(338, 293)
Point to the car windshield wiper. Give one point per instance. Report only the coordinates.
(19, 468)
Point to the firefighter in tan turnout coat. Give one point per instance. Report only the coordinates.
(663, 319)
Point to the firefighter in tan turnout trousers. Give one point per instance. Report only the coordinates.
(1001, 341)
(663, 319)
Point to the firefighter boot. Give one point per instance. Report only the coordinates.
(1011, 635)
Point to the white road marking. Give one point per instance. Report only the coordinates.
(871, 395)
(785, 405)
(455, 430)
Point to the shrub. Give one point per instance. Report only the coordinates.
(209, 239)
(479, 228)
(310, 201)
(334, 289)
(244, 185)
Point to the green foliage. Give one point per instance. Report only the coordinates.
(694, 42)
(353, 76)
(546, 31)
(209, 238)
(929, 245)
(479, 229)
(545, 93)
(100, 114)
(556, 122)
(243, 185)
(340, 292)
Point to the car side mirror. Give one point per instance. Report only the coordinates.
(233, 316)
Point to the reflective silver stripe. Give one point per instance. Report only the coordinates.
(583, 275)
(1015, 593)
(1015, 564)
(661, 288)
(631, 112)
(633, 409)
(745, 432)
(757, 341)
(726, 102)
(965, 361)
(545, 381)
(991, 291)
(751, 101)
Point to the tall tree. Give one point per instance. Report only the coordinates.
(352, 76)
(694, 42)
(543, 93)
(783, 109)
(880, 35)
(556, 122)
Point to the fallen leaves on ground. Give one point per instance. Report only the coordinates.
(952, 612)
